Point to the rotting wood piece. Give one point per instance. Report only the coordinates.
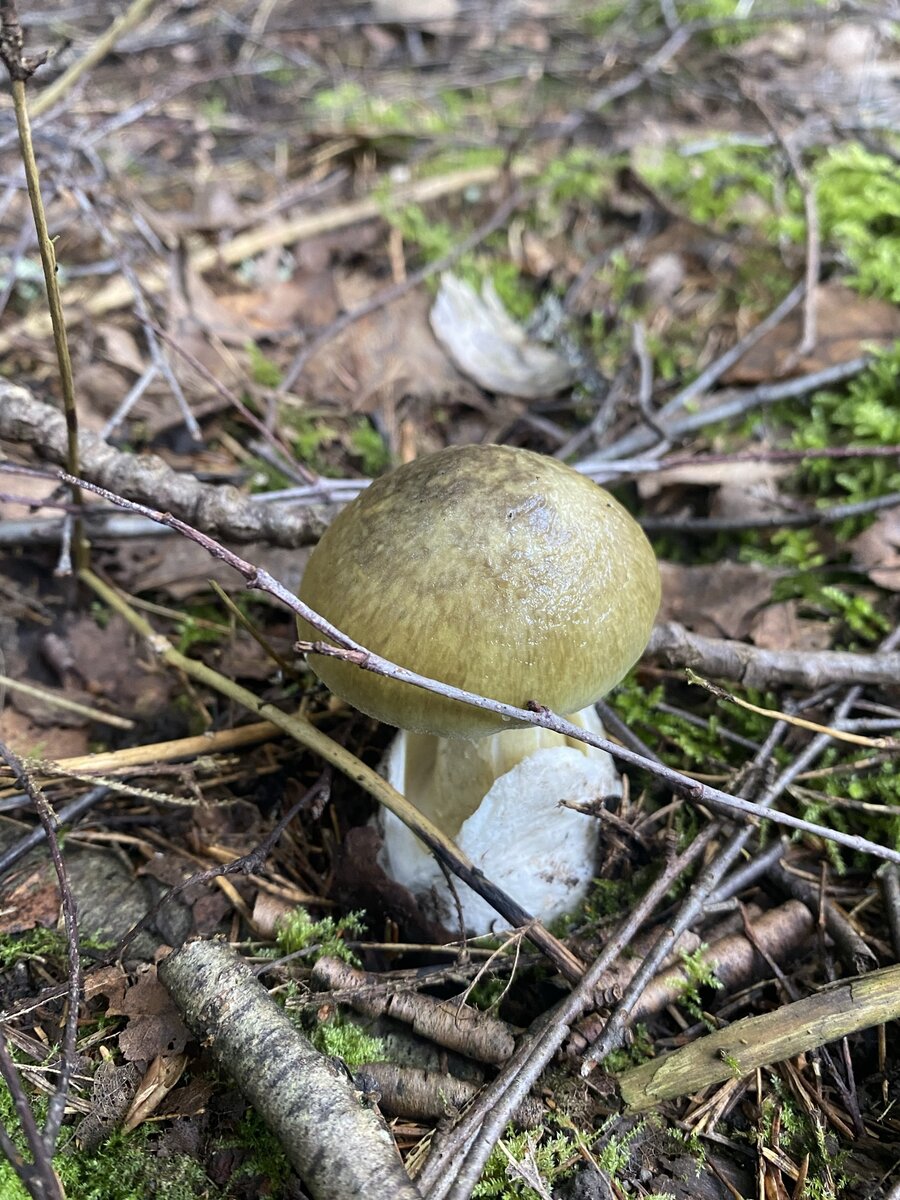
(338, 1146)
(837, 1010)
(451, 1023)
(421, 1095)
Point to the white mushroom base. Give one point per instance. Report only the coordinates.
(538, 852)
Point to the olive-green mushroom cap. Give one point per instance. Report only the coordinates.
(497, 570)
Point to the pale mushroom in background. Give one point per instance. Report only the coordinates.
(508, 574)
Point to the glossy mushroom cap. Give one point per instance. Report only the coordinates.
(500, 571)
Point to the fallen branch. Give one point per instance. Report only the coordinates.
(338, 1147)
(219, 508)
(766, 669)
(734, 960)
(754, 1042)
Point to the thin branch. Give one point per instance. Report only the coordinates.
(56, 1107)
(97, 51)
(641, 439)
(20, 71)
(808, 336)
(781, 520)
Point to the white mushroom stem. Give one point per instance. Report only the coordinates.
(500, 799)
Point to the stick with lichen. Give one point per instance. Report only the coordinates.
(338, 1146)
(735, 1051)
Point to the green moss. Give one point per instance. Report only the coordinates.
(298, 931)
(434, 239)
(699, 974)
(310, 435)
(865, 414)
(601, 18)
(639, 1050)
(353, 107)
(799, 1134)
(367, 444)
(846, 773)
(125, 1167)
(510, 286)
(733, 187)
(712, 187)
(554, 1156)
(580, 174)
(263, 370)
(347, 1041)
(696, 745)
(264, 477)
(264, 1156)
(858, 196)
(460, 158)
(39, 943)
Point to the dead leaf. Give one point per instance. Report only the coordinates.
(110, 981)
(305, 301)
(108, 661)
(120, 348)
(161, 1077)
(179, 568)
(846, 325)
(101, 387)
(715, 601)
(712, 474)
(877, 550)
(32, 902)
(154, 1024)
(778, 627)
(385, 356)
(112, 1092)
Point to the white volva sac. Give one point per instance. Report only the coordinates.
(539, 852)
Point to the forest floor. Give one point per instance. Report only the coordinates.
(688, 217)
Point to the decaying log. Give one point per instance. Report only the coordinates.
(338, 1146)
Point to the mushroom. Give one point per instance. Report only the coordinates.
(508, 574)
